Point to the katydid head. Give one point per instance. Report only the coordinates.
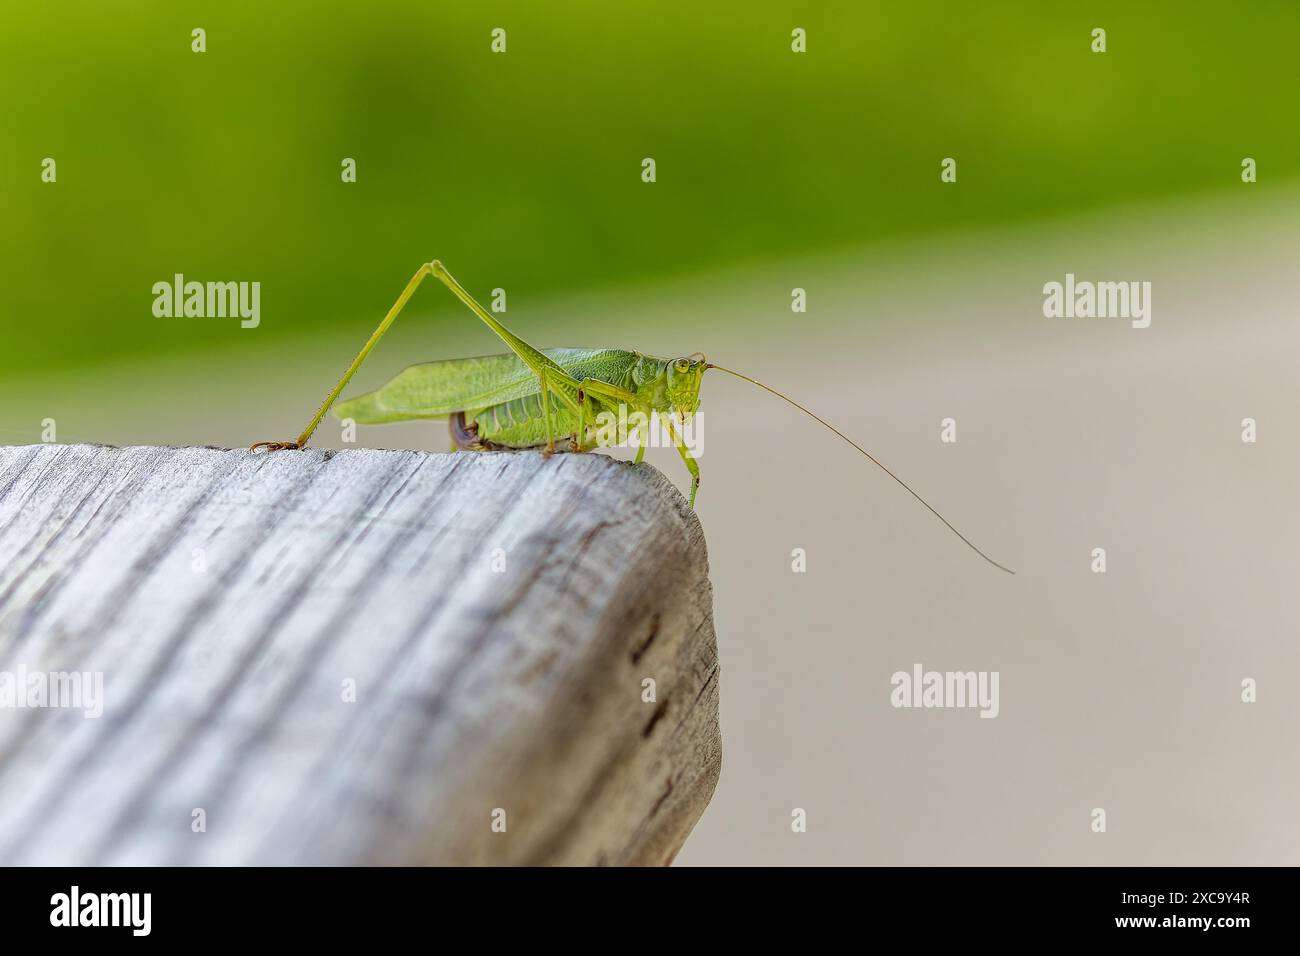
(867, 454)
(683, 384)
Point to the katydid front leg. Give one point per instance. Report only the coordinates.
(691, 465)
(606, 390)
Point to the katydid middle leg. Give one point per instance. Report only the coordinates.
(580, 439)
(603, 390)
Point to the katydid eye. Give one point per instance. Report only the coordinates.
(683, 365)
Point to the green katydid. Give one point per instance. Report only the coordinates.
(525, 398)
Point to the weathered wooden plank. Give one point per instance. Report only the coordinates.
(496, 614)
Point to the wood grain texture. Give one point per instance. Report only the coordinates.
(228, 598)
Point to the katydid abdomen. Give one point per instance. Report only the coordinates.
(514, 424)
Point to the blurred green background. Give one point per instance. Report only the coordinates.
(522, 170)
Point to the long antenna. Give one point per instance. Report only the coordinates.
(871, 457)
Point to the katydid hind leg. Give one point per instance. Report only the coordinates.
(375, 336)
(552, 379)
(530, 356)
